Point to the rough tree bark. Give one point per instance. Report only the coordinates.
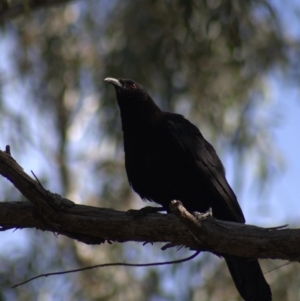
(50, 212)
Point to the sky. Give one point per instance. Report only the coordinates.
(280, 202)
(283, 194)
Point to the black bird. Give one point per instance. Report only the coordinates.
(167, 158)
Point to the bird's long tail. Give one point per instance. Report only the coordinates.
(249, 279)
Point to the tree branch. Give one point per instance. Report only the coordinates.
(91, 225)
(240, 239)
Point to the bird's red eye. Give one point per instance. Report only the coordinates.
(132, 86)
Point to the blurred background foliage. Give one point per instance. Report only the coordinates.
(209, 60)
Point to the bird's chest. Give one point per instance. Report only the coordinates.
(151, 163)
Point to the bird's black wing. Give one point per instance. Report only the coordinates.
(187, 138)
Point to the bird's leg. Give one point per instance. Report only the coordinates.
(144, 211)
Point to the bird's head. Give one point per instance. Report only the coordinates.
(128, 90)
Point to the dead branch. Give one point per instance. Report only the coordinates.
(50, 212)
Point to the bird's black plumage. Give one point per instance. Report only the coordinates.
(167, 158)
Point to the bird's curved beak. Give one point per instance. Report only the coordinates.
(113, 81)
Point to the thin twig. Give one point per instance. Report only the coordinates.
(108, 265)
(276, 268)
